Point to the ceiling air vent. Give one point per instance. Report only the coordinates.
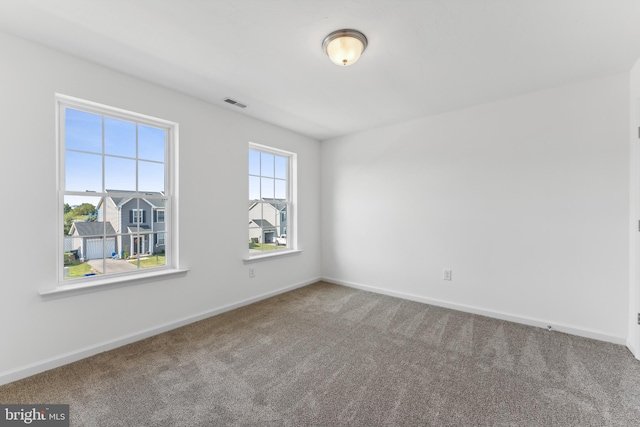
(234, 102)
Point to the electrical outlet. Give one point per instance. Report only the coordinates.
(446, 274)
(252, 272)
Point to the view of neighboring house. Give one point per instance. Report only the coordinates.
(121, 216)
(126, 215)
(267, 220)
(87, 240)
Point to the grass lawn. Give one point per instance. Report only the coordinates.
(151, 261)
(78, 269)
(262, 247)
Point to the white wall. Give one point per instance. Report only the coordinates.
(633, 341)
(37, 334)
(526, 200)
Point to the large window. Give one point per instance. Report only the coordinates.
(115, 176)
(270, 200)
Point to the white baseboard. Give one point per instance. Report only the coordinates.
(72, 356)
(587, 333)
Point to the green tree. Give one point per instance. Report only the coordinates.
(84, 212)
(85, 209)
(68, 221)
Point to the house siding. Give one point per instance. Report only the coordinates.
(270, 214)
(148, 238)
(109, 212)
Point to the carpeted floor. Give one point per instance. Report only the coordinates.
(328, 355)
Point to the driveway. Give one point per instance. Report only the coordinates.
(113, 265)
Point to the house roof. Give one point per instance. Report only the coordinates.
(134, 229)
(87, 228)
(262, 223)
(153, 202)
(272, 202)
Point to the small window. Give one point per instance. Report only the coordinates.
(137, 216)
(159, 216)
(115, 170)
(270, 200)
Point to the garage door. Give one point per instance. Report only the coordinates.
(95, 249)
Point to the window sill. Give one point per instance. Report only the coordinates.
(95, 285)
(279, 254)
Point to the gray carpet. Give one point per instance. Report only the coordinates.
(327, 355)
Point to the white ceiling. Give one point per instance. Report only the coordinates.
(424, 57)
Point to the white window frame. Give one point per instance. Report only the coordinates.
(170, 197)
(158, 212)
(291, 202)
(138, 216)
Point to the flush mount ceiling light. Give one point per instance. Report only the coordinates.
(344, 47)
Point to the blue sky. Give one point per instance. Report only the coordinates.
(267, 176)
(84, 170)
(84, 155)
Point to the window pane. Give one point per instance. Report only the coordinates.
(83, 172)
(267, 190)
(280, 189)
(281, 167)
(151, 143)
(119, 137)
(150, 176)
(83, 131)
(81, 227)
(254, 162)
(120, 174)
(254, 188)
(77, 210)
(267, 165)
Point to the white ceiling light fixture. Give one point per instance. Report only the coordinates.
(344, 47)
